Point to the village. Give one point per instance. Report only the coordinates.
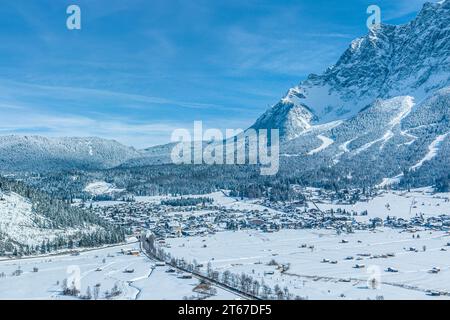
(185, 218)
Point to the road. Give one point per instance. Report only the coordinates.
(198, 276)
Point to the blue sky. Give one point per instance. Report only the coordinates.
(139, 69)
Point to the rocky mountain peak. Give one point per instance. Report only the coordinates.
(411, 59)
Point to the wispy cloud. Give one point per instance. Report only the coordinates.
(76, 93)
(293, 56)
(31, 109)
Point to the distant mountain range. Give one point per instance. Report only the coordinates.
(380, 115)
(35, 153)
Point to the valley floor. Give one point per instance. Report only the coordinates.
(312, 273)
(105, 267)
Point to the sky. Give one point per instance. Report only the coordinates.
(139, 69)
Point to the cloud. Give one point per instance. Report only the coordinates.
(26, 89)
(30, 109)
(292, 55)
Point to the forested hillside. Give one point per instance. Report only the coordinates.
(32, 222)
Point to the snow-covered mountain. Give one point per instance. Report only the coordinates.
(411, 59)
(382, 112)
(288, 117)
(40, 153)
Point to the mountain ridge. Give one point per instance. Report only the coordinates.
(29, 153)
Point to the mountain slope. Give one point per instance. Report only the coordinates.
(389, 141)
(35, 153)
(32, 222)
(289, 116)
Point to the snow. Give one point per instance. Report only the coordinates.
(326, 142)
(402, 204)
(387, 136)
(433, 149)
(398, 204)
(31, 153)
(390, 181)
(220, 199)
(101, 188)
(308, 277)
(143, 284)
(370, 144)
(403, 107)
(405, 133)
(407, 105)
(19, 223)
(344, 147)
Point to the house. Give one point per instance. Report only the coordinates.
(435, 270)
(203, 288)
(134, 253)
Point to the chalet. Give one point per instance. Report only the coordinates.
(134, 253)
(435, 270)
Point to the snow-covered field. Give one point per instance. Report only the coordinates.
(337, 278)
(398, 204)
(105, 267)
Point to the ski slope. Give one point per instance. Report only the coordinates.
(326, 142)
(433, 149)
